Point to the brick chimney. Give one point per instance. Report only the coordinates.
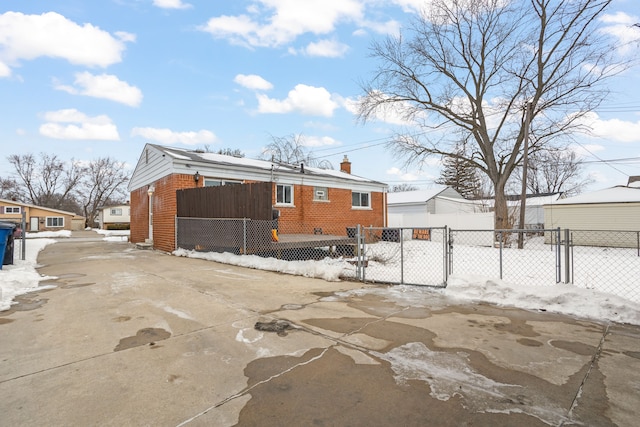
(345, 166)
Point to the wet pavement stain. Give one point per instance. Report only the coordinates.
(529, 342)
(342, 392)
(143, 337)
(77, 285)
(634, 354)
(4, 321)
(27, 302)
(574, 347)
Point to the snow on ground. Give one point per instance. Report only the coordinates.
(114, 235)
(21, 277)
(559, 298)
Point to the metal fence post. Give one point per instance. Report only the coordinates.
(449, 239)
(501, 243)
(558, 256)
(445, 252)
(567, 258)
(244, 235)
(401, 256)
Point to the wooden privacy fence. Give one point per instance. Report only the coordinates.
(228, 201)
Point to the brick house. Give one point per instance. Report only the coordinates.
(307, 199)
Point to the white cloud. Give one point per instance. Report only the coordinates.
(319, 141)
(285, 21)
(171, 4)
(167, 136)
(105, 86)
(74, 125)
(326, 48)
(621, 27)
(394, 113)
(585, 150)
(253, 82)
(613, 129)
(26, 37)
(308, 100)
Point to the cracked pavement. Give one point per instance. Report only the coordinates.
(133, 337)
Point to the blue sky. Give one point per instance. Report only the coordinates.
(87, 79)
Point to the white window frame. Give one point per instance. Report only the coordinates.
(12, 209)
(360, 206)
(317, 197)
(50, 220)
(284, 201)
(116, 212)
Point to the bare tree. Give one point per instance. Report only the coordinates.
(468, 68)
(292, 150)
(556, 172)
(402, 187)
(10, 189)
(47, 181)
(104, 182)
(233, 152)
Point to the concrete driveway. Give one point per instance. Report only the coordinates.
(139, 338)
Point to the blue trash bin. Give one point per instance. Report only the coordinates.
(6, 242)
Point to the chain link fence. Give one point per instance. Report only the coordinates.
(269, 239)
(495, 253)
(608, 261)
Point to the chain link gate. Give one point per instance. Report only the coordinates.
(494, 253)
(403, 256)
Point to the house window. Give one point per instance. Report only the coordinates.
(116, 212)
(360, 200)
(12, 209)
(55, 221)
(320, 193)
(284, 194)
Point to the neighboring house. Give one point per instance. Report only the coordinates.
(39, 218)
(614, 209)
(436, 207)
(315, 199)
(114, 217)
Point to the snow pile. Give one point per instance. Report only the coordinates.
(21, 277)
(560, 298)
(327, 269)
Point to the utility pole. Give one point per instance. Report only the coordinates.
(525, 162)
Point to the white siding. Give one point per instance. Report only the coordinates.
(151, 166)
(609, 216)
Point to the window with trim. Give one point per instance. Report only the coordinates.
(320, 193)
(116, 212)
(12, 209)
(284, 194)
(55, 221)
(360, 200)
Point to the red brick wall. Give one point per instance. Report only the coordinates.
(164, 211)
(332, 216)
